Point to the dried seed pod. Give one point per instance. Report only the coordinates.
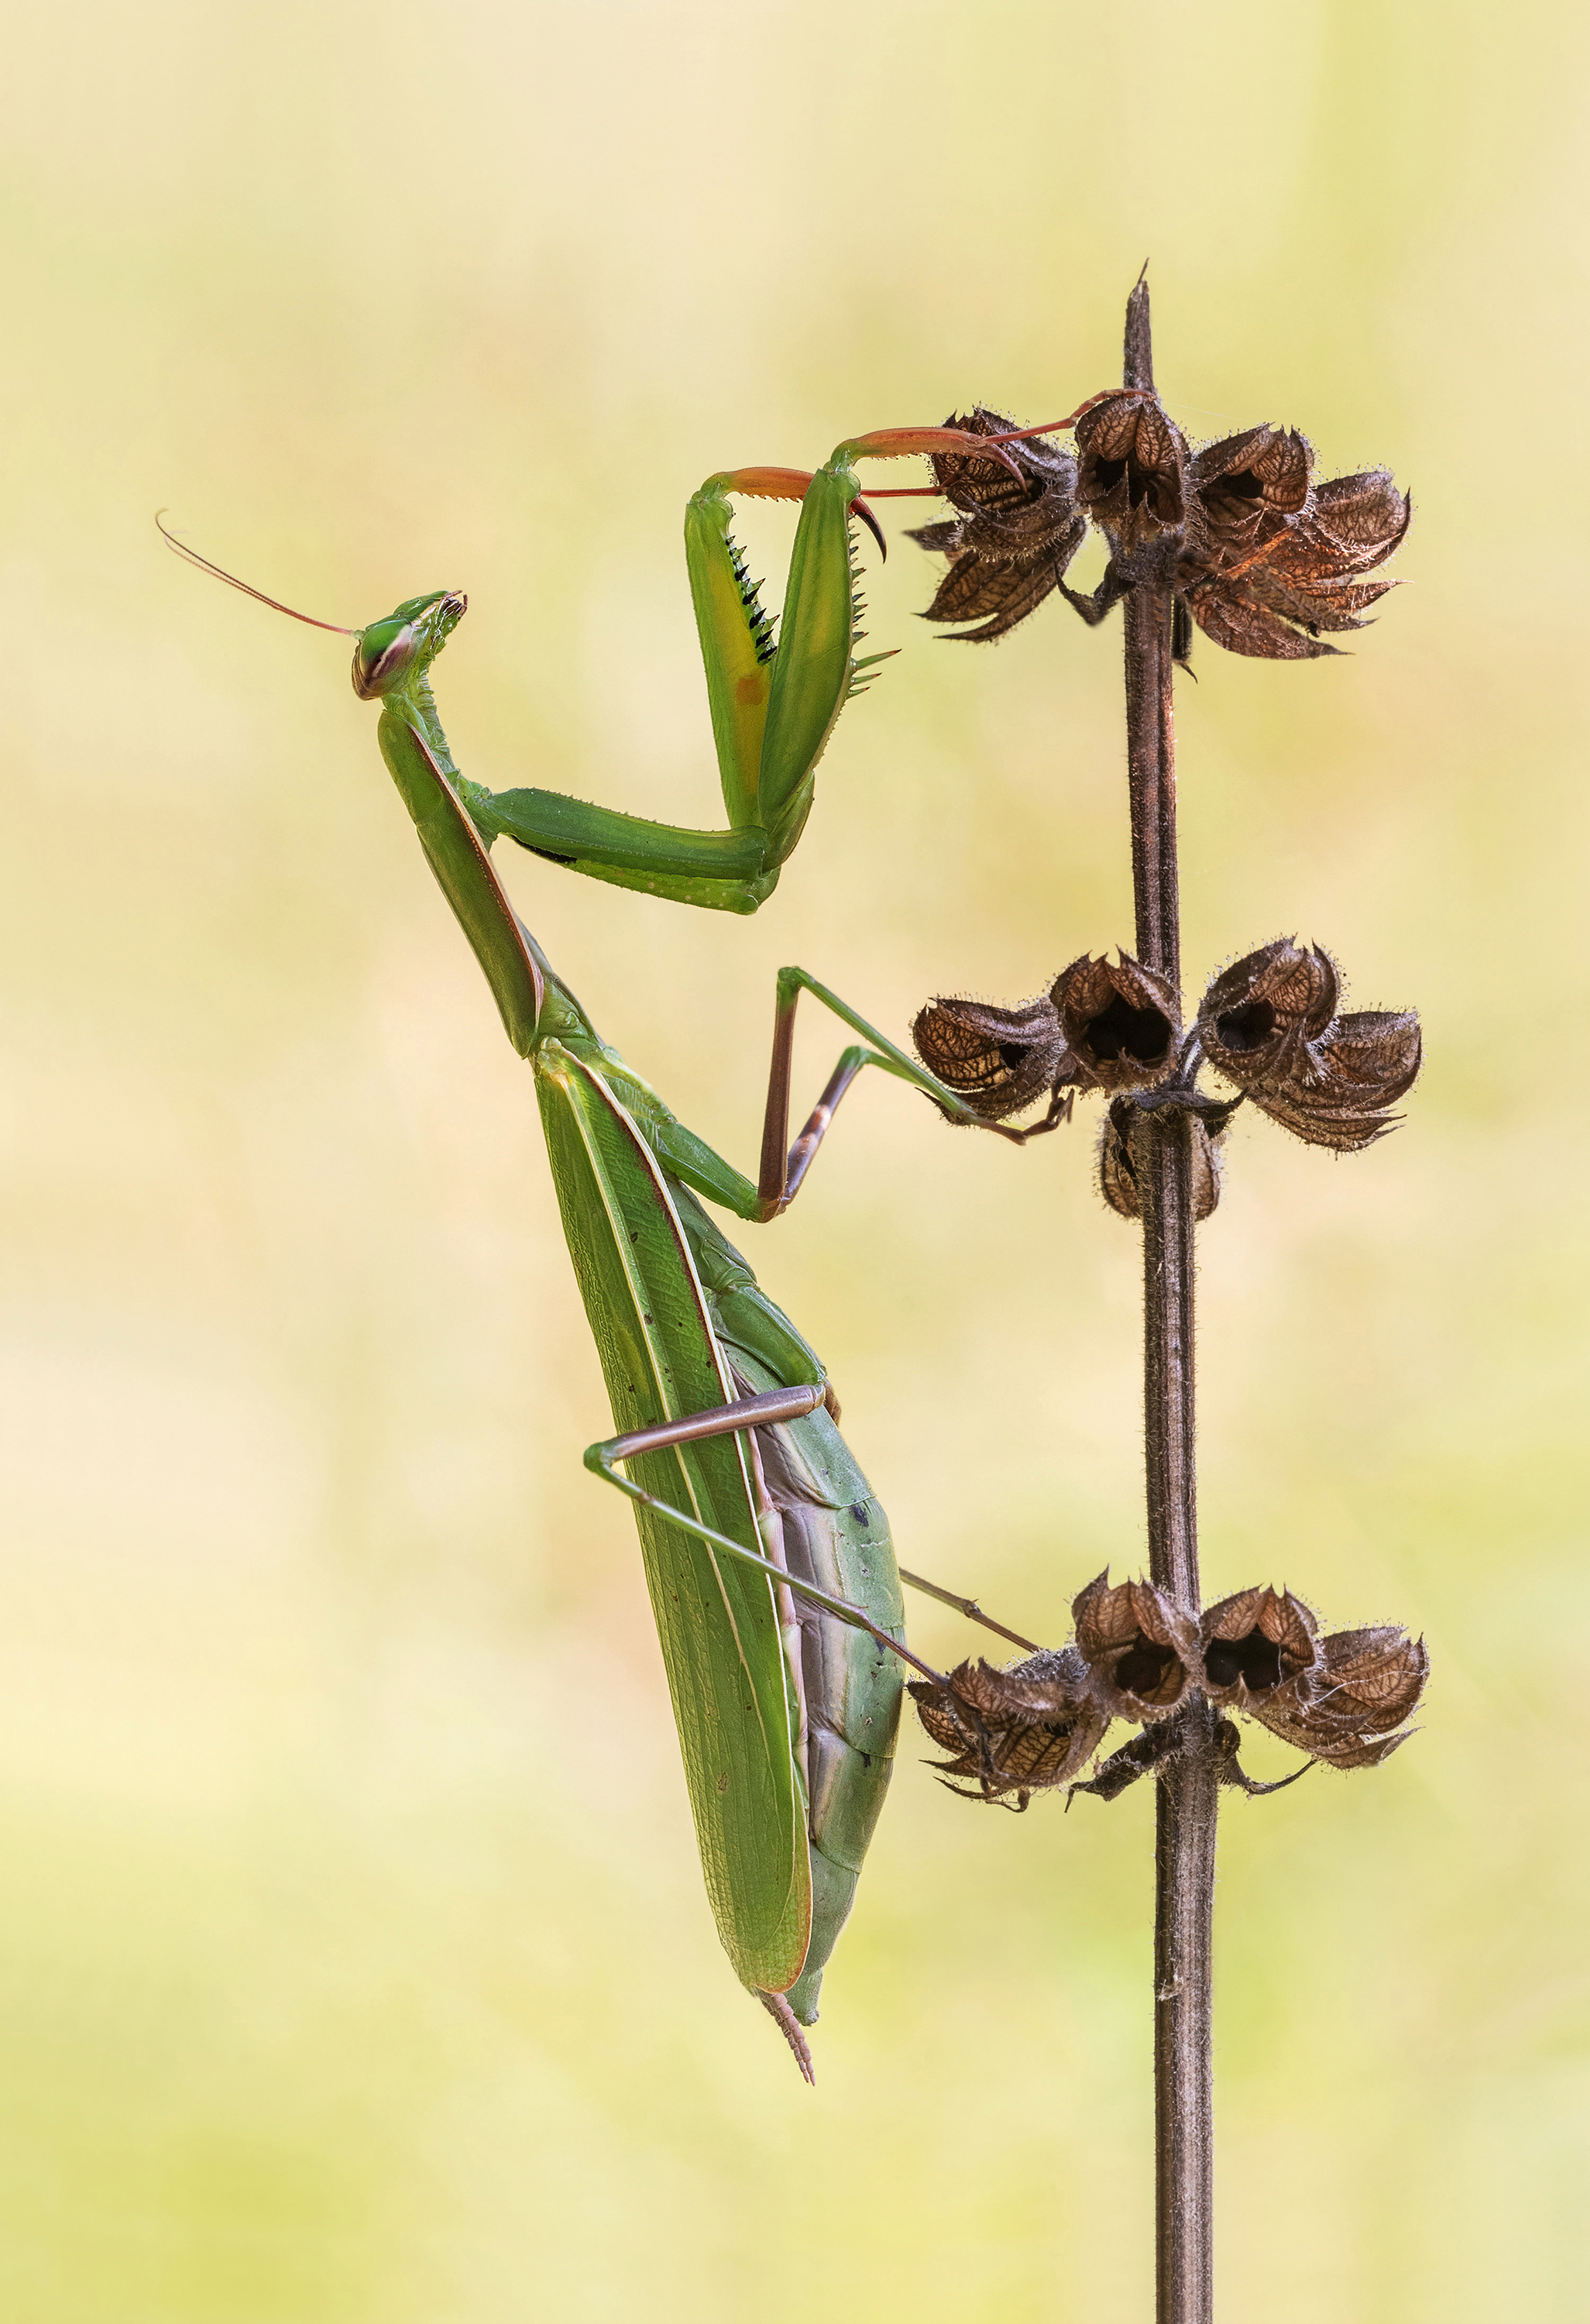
(1131, 471)
(1267, 563)
(1014, 541)
(1269, 1023)
(998, 1059)
(1141, 1649)
(1120, 1022)
(1119, 1167)
(1246, 491)
(1342, 1709)
(1025, 1729)
(1255, 1641)
(1300, 583)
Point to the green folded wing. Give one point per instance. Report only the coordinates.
(735, 1702)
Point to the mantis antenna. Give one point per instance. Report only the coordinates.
(232, 581)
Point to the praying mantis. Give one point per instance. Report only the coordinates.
(768, 1562)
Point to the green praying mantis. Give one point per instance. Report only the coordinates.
(768, 1562)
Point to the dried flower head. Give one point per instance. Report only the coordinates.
(1269, 1023)
(1247, 489)
(1120, 1022)
(1265, 561)
(1131, 471)
(1339, 1697)
(1141, 1649)
(1013, 541)
(1252, 1642)
(1025, 1729)
(1276, 599)
(1120, 1170)
(998, 1060)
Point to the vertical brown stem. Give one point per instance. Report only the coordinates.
(1185, 1809)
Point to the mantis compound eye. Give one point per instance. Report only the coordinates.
(384, 653)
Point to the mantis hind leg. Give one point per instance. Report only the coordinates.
(728, 1420)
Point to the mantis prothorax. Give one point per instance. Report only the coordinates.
(774, 703)
(747, 1497)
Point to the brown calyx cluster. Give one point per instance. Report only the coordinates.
(1343, 1698)
(1099, 1026)
(1266, 561)
(1271, 1024)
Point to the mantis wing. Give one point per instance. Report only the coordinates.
(836, 1534)
(735, 1699)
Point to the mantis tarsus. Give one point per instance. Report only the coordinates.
(745, 1497)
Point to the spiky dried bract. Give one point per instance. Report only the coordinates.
(1119, 1170)
(1131, 471)
(1013, 541)
(1269, 1023)
(1119, 1021)
(1339, 1697)
(1021, 1730)
(1141, 1649)
(998, 1060)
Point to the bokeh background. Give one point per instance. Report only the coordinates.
(354, 1961)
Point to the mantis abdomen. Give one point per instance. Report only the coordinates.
(836, 1534)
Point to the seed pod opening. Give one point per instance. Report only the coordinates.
(1120, 1019)
(1141, 1649)
(1255, 1641)
(1131, 459)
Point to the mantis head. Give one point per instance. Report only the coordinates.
(402, 646)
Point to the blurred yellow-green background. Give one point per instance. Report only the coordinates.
(354, 1961)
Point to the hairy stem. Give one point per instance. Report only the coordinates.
(1187, 1789)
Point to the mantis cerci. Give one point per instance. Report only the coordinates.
(746, 1498)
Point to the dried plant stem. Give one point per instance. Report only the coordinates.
(1187, 1790)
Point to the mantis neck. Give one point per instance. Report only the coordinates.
(420, 704)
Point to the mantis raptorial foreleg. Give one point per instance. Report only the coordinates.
(774, 701)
